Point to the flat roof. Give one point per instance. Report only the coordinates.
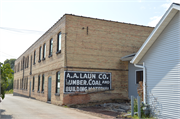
(78, 16)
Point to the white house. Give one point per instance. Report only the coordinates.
(159, 57)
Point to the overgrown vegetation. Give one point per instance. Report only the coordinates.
(145, 110)
(6, 74)
(9, 91)
(10, 81)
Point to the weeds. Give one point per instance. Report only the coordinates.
(9, 91)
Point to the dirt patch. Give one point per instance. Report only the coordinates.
(107, 110)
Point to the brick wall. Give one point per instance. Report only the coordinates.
(98, 51)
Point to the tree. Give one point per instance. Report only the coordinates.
(10, 81)
(5, 74)
(11, 62)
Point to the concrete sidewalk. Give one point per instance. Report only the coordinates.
(15, 107)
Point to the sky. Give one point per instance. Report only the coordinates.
(22, 22)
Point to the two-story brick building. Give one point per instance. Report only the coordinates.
(79, 54)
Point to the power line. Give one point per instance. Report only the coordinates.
(21, 30)
(7, 54)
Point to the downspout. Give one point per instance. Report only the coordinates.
(144, 80)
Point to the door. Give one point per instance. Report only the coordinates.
(49, 88)
(30, 89)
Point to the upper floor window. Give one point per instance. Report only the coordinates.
(58, 82)
(39, 54)
(44, 51)
(31, 66)
(27, 61)
(34, 57)
(50, 47)
(42, 83)
(15, 69)
(59, 43)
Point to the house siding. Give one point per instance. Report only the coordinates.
(162, 62)
(132, 86)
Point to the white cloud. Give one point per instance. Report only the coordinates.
(176, 1)
(154, 20)
(143, 7)
(166, 5)
(169, 2)
(139, 0)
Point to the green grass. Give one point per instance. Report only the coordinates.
(65, 106)
(9, 91)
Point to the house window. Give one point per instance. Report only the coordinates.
(39, 54)
(57, 82)
(34, 57)
(39, 83)
(33, 83)
(139, 76)
(50, 47)
(44, 51)
(43, 83)
(59, 43)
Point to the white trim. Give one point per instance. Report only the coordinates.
(173, 6)
(135, 74)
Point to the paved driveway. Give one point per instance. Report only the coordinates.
(15, 107)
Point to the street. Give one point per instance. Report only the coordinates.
(15, 107)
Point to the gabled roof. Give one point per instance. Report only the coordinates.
(170, 13)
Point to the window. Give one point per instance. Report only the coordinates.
(18, 84)
(50, 47)
(39, 54)
(139, 76)
(42, 83)
(59, 43)
(22, 83)
(31, 66)
(33, 83)
(44, 51)
(39, 83)
(14, 85)
(58, 82)
(27, 61)
(26, 83)
(34, 57)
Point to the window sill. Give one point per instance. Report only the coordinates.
(38, 91)
(32, 90)
(49, 56)
(34, 63)
(58, 52)
(42, 92)
(43, 59)
(39, 61)
(57, 94)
